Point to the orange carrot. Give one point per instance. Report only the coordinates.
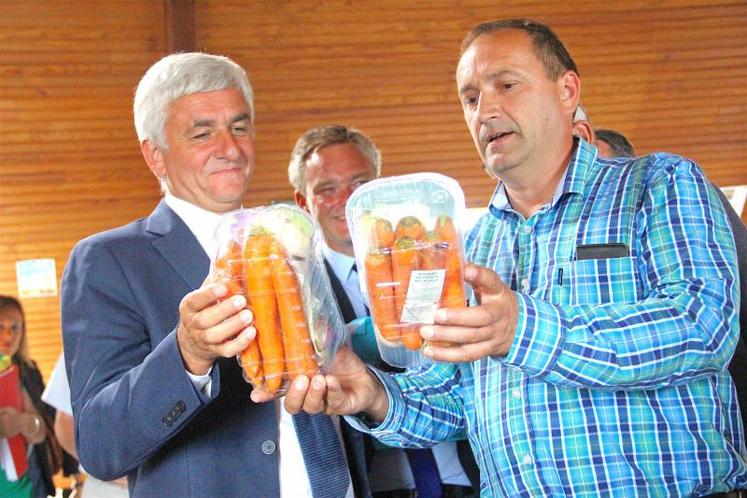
(382, 234)
(299, 350)
(404, 261)
(231, 265)
(410, 226)
(446, 230)
(430, 257)
(453, 292)
(259, 289)
(381, 293)
(436, 255)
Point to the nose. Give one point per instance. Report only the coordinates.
(488, 107)
(228, 146)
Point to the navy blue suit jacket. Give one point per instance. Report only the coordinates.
(136, 410)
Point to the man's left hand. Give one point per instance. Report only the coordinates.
(476, 332)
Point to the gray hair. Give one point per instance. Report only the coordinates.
(580, 114)
(176, 76)
(323, 136)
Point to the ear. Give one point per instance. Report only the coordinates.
(301, 201)
(570, 91)
(584, 130)
(154, 158)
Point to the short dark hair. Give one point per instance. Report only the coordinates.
(618, 143)
(547, 46)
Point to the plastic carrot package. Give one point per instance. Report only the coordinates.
(272, 255)
(409, 251)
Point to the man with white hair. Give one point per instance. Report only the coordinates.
(150, 347)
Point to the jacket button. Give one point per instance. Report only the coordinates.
(168, 421)
(268, 447)
(180, 406)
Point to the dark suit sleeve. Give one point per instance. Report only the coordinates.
(128, 396)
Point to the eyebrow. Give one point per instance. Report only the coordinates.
(206, 123)
(491, 77)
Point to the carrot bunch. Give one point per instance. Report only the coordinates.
(394, 253)
(283, 347)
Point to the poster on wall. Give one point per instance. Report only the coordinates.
(36, 278)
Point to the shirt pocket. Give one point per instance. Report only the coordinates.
(602, 281)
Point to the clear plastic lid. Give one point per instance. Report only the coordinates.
(410, 256)
(272, 255)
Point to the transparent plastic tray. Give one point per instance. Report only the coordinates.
(272, 255)
(410, 256)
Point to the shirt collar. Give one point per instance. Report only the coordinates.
(201, 222)
(572, 181)
(341, 264)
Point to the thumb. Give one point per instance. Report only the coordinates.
(483, 280)
(337, 400)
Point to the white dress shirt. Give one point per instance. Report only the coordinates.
(294, 480)
(57, 395)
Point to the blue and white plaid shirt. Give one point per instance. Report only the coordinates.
(616, 382)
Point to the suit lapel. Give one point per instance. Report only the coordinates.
(178, 245)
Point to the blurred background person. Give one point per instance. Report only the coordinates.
(34, 422)
(327, 165)
(57, 395)
(612, 143)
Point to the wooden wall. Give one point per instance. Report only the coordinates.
(670, 75)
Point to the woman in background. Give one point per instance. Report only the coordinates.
(36, 419)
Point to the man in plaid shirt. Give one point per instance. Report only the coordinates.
(594, 361)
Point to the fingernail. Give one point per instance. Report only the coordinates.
(250, 333)
(301, 383)
(220, 290)
(318, 382)
(427, 351)
(426, 332)
(246, 316)
(238, 301)
(440, 316)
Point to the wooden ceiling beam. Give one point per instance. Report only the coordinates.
(180, 25)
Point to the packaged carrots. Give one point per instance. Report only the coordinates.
(413, 269)
(272, 255)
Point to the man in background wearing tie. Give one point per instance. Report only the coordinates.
(327, 164)
(150, 347)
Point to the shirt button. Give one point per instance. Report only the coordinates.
(268, 447)
(525, 284)
(526, 229)
(527, 459)
(516, 393)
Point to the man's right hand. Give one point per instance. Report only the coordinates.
(211, 326)
(349, 388)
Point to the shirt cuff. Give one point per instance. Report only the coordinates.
(539, 338)
(201, 383)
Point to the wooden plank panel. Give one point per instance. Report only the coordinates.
(671, 75)
(70, 165)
